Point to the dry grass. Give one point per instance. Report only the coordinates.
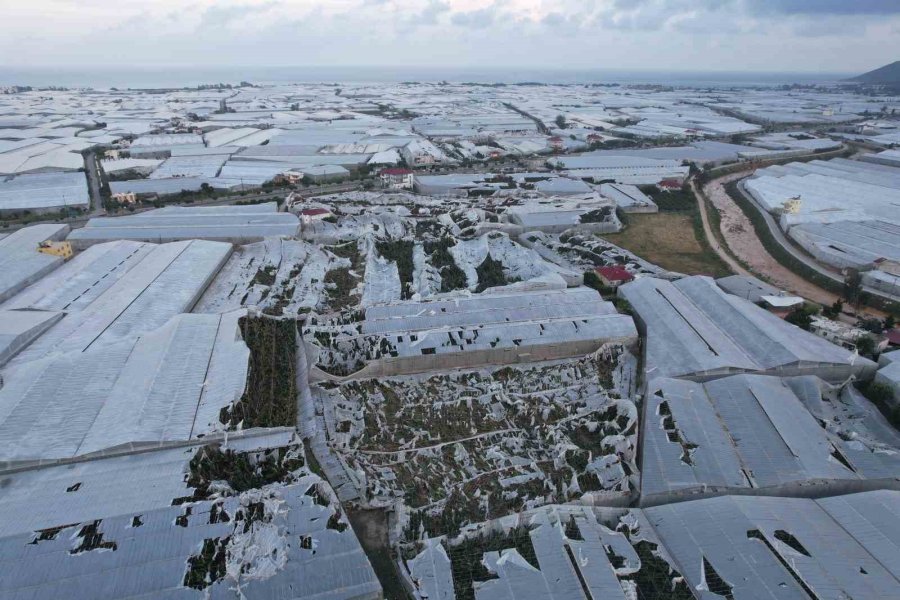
(669, 239)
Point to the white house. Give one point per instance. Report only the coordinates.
(397, 179)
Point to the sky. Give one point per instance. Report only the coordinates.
(833, 36)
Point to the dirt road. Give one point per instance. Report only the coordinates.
(742, 241)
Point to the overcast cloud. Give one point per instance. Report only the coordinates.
(730, 35)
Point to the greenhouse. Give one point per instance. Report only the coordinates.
(697, 331)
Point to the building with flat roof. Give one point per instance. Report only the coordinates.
(397, 178)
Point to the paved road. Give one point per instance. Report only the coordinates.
(540, 124)
(92, 169)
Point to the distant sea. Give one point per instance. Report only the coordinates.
(167, 77)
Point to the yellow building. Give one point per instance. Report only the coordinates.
(63, 249)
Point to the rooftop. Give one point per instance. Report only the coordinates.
(167, 386)
(696, 330)
(217, 223)
(742, 432)
(614, 273)
(20, 262)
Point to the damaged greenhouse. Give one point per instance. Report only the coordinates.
(455, 374)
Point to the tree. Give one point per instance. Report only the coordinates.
(865, 345)
(871, 324)
(561, 121)
(833, 311)
(889, 322)
(800, 317)
(853, 287)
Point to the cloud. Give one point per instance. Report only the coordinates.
(773, 35)
(475, 19)
(430, 14)
(220, 15)
(827, 7)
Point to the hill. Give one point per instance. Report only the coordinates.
(888, 74)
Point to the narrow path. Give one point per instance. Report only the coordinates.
(442, 444)
(712, 240)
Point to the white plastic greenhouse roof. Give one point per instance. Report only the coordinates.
(217, 223)
(165, 140)
(173, 185)
(157, 285)
(484, 308)
(694, 329)
(486, 321)
(745, 431)
(20, 262)
(167, 386)
(830, 191)
(625, 196)
(860, 242)
(148, 543)
(768, 548)
(559, 576)
(18, 328)
(36, 499)
(43, 191)
(83, 279)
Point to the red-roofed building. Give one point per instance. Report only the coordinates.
(308, 215)
(670, 184)
(613, 276)
(556, 143)
(397, 178)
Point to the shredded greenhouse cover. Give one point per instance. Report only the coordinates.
(241, 471)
